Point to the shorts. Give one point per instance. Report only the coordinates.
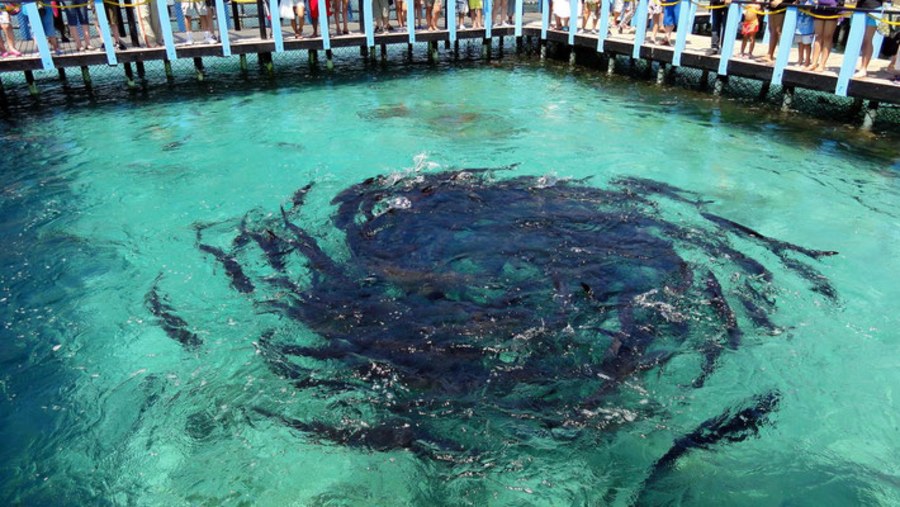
(192, 8)
(592, 5)
(654, 8)
(476, 4)
(462, 7)
(804, 39)
(670, 16)
(870, 21)
(749, 27)
(4, 19)
(77, 16)
(429, 4)
(47, 21)
(287, 9)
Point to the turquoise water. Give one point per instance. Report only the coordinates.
(99, 405)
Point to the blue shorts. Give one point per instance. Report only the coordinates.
(870, 21)
(77, 16)
(670, 15)
(47, 21)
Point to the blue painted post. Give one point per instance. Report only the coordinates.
(411, 21)
(877, 42)
(228, 19)
(784, 45)
(684, 26)
(37, 28)
(641, 19)
(451, 19)
(221, 19)
(851, 52)
(488, 17)
(765, 41)
(369, 23)
(732, 23)
(605, 6)
(573, 21)
(545, 18)
(323, 24)
(520, 8)
(275, 12)
(165, 25)
(179, 17)
(105, 34)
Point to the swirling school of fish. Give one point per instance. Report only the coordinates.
(462, 294)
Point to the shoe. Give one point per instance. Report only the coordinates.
(14, 52)
(390, 29)
(580, 31)
(122, 46)
(4, 54)
(58, 52)
(210, 40)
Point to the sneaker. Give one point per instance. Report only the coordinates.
(122, 46)
(4, 54)
(210, 40)
(14, 52)
(58, 52)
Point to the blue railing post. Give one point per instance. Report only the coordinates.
(851, 52)
(605, 7)
(451, 19)
(641, 28)
(369, 23)
(766, 36)
(545, 18)
(573, 21)
(877, 42)
(520, 9)
(37, 28)
(275, 12)
(685, 25)
(323, 24)
(784, 45)
(105, 34)
(222, 20)
(165, 25)
(732, 23)
(488, 17)
(411, 21)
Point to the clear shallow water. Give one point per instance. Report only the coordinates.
(99, 403)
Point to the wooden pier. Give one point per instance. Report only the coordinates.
(692, 52)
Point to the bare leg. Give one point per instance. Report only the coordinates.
(867, 50)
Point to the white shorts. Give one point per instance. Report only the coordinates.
(194, 8)
(4, 18)
(804, 39)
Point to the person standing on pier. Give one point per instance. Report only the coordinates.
(823, 29)
(867, 47)
(148, 24)
(717, 14)
(382, 11)
(292, 9)
(775, 10)
(433, 11)
(201, 9)
(8, 49)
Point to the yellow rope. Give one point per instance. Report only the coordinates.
(244, 1)
(670, 4)
(884, 20)
(766, 13)
(135, 4)
(42, 4)
(820, 16)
